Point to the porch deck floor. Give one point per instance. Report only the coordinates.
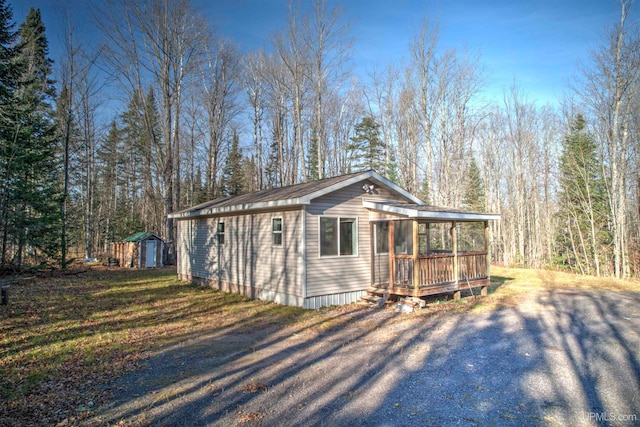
(439, 288)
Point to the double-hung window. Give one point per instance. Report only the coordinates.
(276, 231)
(338, 236)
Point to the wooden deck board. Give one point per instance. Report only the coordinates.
(440, 288)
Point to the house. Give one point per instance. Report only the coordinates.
(329, 242)
(140, 250)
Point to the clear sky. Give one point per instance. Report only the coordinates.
(536, 42)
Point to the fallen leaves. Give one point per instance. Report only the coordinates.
(255, 387)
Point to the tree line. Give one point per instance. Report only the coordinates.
(200, 120)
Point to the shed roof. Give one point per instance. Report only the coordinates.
(293, 195)
(140, 236)
(411, 210)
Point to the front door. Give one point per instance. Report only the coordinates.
(151, 253)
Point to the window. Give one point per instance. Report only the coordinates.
(382, 237)
(220, 233)
(276, 231)
(338, 236)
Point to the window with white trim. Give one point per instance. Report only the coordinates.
(338, 236)
(220, 233)
(276, 231)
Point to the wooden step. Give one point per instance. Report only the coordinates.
(371, 298)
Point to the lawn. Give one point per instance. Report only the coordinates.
(63, 338)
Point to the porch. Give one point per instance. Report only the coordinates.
(432, 253)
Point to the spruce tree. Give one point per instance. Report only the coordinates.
(32, 192)
(366, 148)
(473, 198)
(233, 176)
(583, 238)
(8, 82)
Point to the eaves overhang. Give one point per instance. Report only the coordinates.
(407, 210)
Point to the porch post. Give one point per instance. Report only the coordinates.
(416, 266)
(392, 256)
(454, 238)
(484, 289)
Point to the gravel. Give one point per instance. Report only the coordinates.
(559, 358)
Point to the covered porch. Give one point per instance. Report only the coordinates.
(420, 250)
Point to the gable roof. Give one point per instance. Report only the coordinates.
(140, 236)
(292, 195)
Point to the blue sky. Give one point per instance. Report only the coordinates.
(537, 43)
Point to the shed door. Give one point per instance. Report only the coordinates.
(151, 253)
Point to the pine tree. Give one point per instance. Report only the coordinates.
(366, 148)
(583, 238)
(233, 177)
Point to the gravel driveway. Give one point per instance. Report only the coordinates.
(558, 358)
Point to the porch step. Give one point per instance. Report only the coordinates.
(375, 297)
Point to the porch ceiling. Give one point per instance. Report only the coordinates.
(410, 210)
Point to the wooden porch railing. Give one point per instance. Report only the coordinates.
(435, 269)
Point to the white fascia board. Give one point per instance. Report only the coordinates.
(414, 213)
(399, 189)
(354, 180)
(458, 216)
(239, 208)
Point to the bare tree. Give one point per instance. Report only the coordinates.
(329, 47)
(159, 43)
(220, 82)
(295, 57)
(609, 89)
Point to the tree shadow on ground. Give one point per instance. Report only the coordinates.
(558, 359)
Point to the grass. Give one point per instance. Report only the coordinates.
(62, 338)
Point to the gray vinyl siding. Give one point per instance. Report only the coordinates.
(340, 274)
(247, 257)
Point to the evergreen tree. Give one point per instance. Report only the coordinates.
(8, 82)
(473, 198)
(7, 39)
(31, 198)
(583, 238)
(233, 176)
(366, 148)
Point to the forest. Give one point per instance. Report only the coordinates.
(202, 120)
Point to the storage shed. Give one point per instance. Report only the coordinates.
(139, 250)
(332, 241)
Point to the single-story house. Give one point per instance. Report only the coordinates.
(139, 250)
(330, 241)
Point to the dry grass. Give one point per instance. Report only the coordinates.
(60, 338)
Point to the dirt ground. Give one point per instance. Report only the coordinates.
(560, 358)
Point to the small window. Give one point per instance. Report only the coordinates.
(338, 236)
(276, 231)
(382, 237)
(220, 233)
